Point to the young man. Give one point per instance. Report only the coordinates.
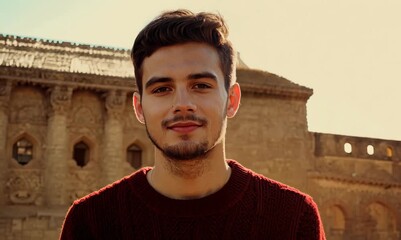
(185, 73)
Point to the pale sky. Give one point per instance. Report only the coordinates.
(348, 52)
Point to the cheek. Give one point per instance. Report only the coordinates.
(215, 113)
(154, 108)
(215, 102)
(151, 114)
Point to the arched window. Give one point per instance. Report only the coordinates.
(384, 221)
(22, 151)
(81, 154)
(134, 156)
(335, 225)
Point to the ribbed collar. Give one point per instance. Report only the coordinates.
(215, 203)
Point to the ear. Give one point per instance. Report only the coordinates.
(136, 102)
(234, 99)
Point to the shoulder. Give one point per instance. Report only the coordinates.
(281, 205)
(280, 189)
(109, 206)
(273, 191)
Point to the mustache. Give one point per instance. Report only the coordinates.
(178, 118)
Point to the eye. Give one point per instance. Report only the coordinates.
(161, 90)
(201, 86)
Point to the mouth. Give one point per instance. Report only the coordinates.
(184, 127)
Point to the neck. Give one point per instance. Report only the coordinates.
(190, 179)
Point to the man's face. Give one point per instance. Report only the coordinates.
(184, 102)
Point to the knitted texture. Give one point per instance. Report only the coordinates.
(249, 206)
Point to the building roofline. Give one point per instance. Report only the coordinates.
(74, 58)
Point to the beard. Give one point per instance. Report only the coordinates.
(187, 150)
(187, 158)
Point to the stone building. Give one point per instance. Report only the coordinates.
(67, 128)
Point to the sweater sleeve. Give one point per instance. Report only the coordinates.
(74, 226)
(310, 226)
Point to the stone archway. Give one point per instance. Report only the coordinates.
(383, 222)
(335, 222)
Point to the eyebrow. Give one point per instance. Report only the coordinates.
(193, 76)
(154, 80)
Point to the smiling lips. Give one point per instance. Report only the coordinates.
(184, 127)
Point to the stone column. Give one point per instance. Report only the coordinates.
(112, 155)
(5, 92)
(57, 146)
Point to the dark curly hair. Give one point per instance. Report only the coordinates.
(183, 26)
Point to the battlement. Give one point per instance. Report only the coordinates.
(356, 147)
(18, 42)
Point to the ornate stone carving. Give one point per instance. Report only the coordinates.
(60, 99)
(94, 131)
(28, 105)
(115, 103)
(42, 76)
(17, 58)
(83, 116)
(29, 113)
(83, 180)
(23, 187)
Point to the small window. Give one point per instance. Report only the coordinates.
(389, 152)
(134, 156)
(81, 154)
(347, 148)
(22, 151)
(370, 150)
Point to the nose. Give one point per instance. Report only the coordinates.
(183, 102)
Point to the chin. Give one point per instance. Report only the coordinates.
(185, 151)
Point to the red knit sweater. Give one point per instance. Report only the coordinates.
(249, 206)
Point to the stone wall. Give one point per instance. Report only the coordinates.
(35, 196)
(30, 227)
(270, 135)
(357, 184)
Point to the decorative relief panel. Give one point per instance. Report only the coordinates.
(17, 58)
(24, 187)
(83, 115)
(30, 75)
(82, 180)
(28, 114)
(87, 110)
(27, 105)
(56, 62)
(92, 132)
(102, 66)
(80, 65)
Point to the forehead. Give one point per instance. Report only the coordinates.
(180, 60)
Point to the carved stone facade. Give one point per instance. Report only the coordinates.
(67, 128)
